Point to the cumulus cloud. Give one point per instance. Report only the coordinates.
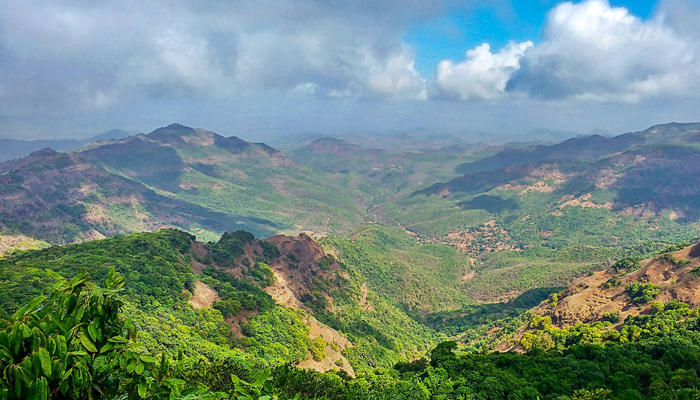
(483, 75)
(589, 51)
(594, 51)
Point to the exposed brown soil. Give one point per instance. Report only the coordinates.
(329, 335)
(364, 304)
(587, 299)
(203, 297)
(540, 186)
(583, 201)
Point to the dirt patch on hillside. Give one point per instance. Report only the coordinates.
(333, 360)
(92, 234)
(646, 210)
(203, 297)
(468, 276)
(282, 294)
(587, 298)
(364, 304)
(487, 238)
(583, 201)
(10, 243)
(540, 187)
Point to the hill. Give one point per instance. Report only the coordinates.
(242, 305)
(175, 176)
(586, 147)
(562, 211)
(272, 298)
(11, 149)
(668, 277)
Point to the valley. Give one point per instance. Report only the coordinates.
(355, 262)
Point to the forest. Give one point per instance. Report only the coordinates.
(76, 342)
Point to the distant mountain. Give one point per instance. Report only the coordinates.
(11, 149)
(114, 134)
(586, 147)
(546, 136)
(591, 198)
(174, 176)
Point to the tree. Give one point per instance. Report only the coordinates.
(75, 344)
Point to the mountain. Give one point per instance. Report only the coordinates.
(114, 134)
(11, 149)
(612, 296)
(174, 176)
(586, 147)
(283, 306)
(554, 211)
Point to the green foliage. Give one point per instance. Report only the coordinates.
(612, 282)
(151, 263)
(230, 247)
(278, 336)
(642, 293)
(613, 317)
(261, 389)
(75, 344)
(626, 264)
(411, 276)
(262, 274)
(318, 348)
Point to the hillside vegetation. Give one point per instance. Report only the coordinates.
(75, 341)
(174, 176)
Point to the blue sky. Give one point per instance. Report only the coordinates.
(496, 23)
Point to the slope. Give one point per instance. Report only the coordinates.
(174, 176)
(266, 297)
(540, 224)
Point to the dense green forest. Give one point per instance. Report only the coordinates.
(76, 343)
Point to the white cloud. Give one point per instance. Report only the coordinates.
(483, 75)
(594, 51)
(590, 51)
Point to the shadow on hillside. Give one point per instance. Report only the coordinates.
(189, 216)
(668, 178)
(456, 321)
(491, 204)
(476, 183)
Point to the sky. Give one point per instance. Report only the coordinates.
(259, 69)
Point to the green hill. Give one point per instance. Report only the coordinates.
(174, 176)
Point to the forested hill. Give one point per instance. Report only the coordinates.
(175, 176)
(252, 302)
(196, 313)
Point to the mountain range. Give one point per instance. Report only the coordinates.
(360, 261)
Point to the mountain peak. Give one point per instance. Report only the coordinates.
(175, 128)
(173, 134)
